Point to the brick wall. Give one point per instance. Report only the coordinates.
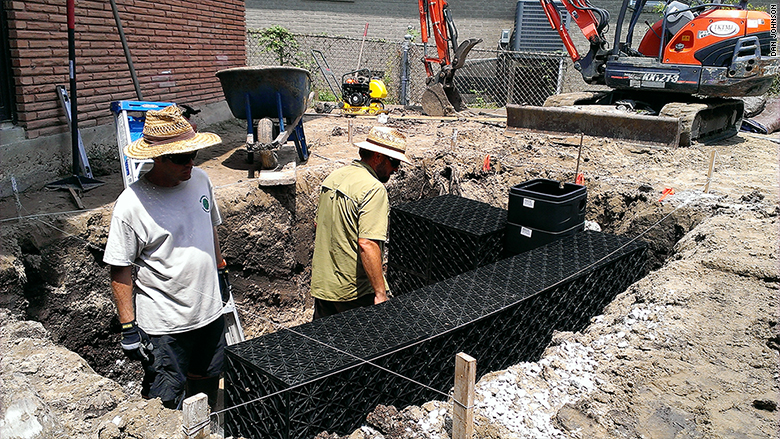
(176, 47)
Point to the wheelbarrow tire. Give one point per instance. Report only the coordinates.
(265, 135)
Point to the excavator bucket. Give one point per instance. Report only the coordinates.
(442, 98)
(436, 102)
(600, 122)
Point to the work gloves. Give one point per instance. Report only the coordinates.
(224, 283)
(136, 343)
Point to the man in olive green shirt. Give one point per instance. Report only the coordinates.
(352, 227)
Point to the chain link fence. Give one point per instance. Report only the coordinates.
(489, 79)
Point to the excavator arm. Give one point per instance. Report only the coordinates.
(432, 21)
(441, 97)
(592, 22)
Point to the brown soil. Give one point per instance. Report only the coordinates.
(709, 369)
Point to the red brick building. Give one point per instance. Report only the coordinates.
(176, 47)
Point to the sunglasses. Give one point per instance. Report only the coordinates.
(394, 162)
(181, 159)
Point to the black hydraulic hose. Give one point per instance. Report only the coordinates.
(650, 26)
(603, 14)
(451, 27)
(638, 6)
(619, 27)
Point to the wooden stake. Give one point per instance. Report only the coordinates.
(454, 139)
(349, 131)
(709, 173)
(579, 154)
(76, 198)
(195, 414)
(463, 397)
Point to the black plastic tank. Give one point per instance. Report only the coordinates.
(542, 211)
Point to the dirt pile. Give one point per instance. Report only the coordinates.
(49, 391)
(689, 350)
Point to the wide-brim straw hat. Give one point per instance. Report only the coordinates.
(387, 141)
(167, 131)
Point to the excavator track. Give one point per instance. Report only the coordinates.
(710, 120)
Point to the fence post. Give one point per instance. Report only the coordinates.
(463, 397)
(405, 70)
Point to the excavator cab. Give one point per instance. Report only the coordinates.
(712, 49)
(676, 15)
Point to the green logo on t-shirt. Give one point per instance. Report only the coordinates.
(204, 202)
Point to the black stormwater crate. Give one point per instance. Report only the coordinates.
(520, 239)
(297, 384)
(545, 205)
(402, 281)
(436, 238)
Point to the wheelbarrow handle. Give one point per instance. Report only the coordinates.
(250, 133)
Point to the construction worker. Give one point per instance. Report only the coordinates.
(164, 227)
(351, 227)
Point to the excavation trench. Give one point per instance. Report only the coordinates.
(51, 268)
(53, 272)
(267, 237)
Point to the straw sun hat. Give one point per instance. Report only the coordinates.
(165, 132)
(387, 141)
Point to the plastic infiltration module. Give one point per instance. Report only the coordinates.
(298, 382)
(433, 239)
(542, 211)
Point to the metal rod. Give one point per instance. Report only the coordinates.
(74, 114)
(127, 50)
(709, 172)
(279, 109)
(360, 56)
(250, 133)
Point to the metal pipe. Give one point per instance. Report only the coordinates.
(127, 50)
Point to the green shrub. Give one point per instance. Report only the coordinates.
(280, 41)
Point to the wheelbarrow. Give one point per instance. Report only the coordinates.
(275, 97)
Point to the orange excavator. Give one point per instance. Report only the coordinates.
(441, 98)
(674, 87)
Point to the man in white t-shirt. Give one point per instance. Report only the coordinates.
(164, 228)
